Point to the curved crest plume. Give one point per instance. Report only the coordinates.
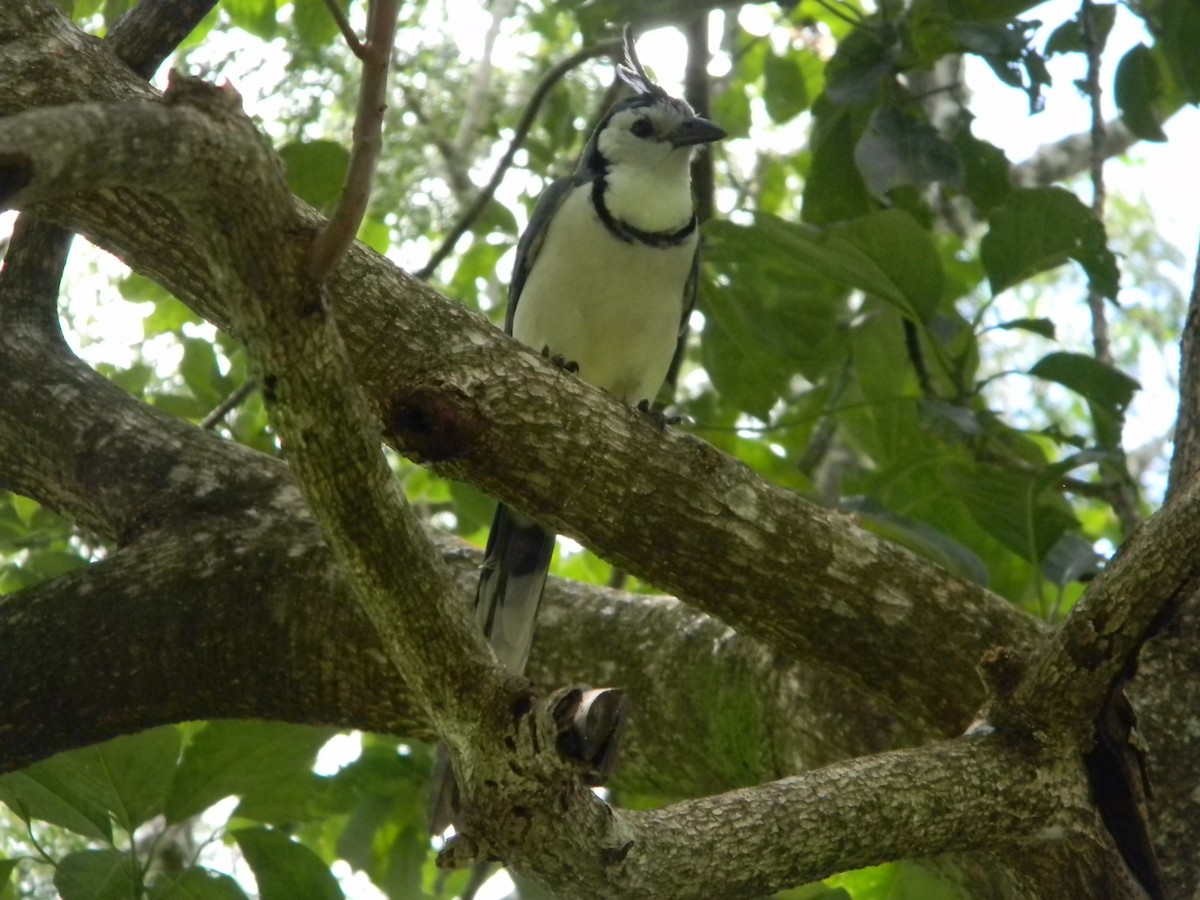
(631, 71)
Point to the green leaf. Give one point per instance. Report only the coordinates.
(285, 869)
(1099, 383)
(169, 315)
(859, 67)
(376, 234)
(201, 373)
(238, 757)
(196, 884)
(314, 24)
(1040, 228)
(43, 791)
(96, 875)
(1012, 506)
(254, 16)
(785, 87)
(979, 10)
(986, 171)
(315, 170)
(897, 881)
(833, 187)
(898, 150)
(1179, 38)
(127, 776)
(7, 867)
(1139, 90)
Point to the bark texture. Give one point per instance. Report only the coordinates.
(312, 594)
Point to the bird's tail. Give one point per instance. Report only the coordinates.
(513, 574)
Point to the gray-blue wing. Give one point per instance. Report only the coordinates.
(535, 235)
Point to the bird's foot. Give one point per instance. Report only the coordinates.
(567, 365)
(660, 417)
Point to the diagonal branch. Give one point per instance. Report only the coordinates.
(336, 236)
(472, 212)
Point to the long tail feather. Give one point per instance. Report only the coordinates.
(515, 564)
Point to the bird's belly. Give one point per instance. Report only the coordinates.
(614, 310)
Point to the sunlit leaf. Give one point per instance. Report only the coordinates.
(314, 23)
(315, 170)
(44, 791)
(227, 758)
(254, 16)
(127, 776)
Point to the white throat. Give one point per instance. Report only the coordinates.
(651, 198)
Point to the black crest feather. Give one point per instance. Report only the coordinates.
(631, 70)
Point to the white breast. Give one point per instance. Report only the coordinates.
(611, 306)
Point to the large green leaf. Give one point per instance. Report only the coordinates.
(44, 791)
(196, 884)
(987, 173)
(227, 758)
(834, 188)
(96, 875)
(1098, 382)
(285, 869)
(1012, 506)
(127, 776)
(1040, 228)
(884, 254)
(314, 23)
(315, 170)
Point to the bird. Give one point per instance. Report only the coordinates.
(603, 284)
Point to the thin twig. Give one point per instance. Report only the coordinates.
(222, 409)
(1124, 499)
(345, 28)
(549, 80)
(339, 232)
(1091, 41)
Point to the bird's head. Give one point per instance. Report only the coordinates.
(648, 128)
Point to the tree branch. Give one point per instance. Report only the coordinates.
(802, 579)
(549, 80)
(336, 236)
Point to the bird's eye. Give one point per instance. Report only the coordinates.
(642, 128)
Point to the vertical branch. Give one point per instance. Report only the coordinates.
(1093, 46)
(331, 244)
(696, 92)
(1124, 495)
(1185, 462)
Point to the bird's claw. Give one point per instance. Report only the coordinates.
(659, 417)
(567, 365)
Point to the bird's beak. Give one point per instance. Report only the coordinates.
(696, 131)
